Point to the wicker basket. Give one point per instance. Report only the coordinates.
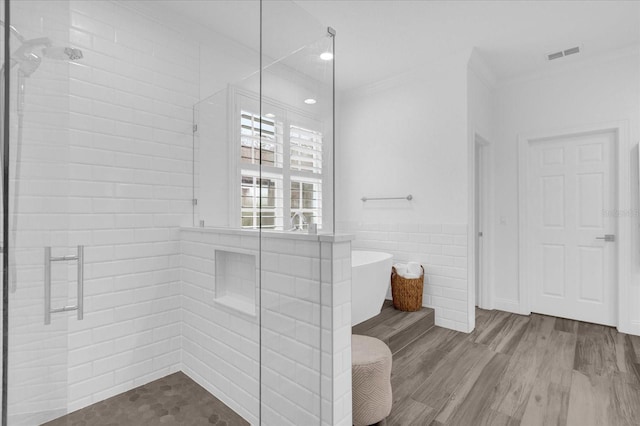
(406, 292)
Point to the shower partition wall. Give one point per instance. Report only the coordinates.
(4, 185)
(296, 101)
(101, 160)
(38, 212)
(166, 214)
(264, 146)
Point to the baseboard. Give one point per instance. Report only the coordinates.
(633, 327)
(508, 305)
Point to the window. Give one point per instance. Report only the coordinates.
(258, 193)
(250, 140)
(306, 149)
(306, 199)
(291, 165)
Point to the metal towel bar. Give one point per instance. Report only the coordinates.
(47, 283)
(408, 198)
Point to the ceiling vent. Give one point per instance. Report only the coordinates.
(572, 51)
(556, 55)
(563, 53)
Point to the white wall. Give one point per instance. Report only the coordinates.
(130, 184)
(220, 345)
(107, 163)
(480, 97)
(303, 341)
(405, 135)
(480, 129)
(408, 135)
(602, 90)
(38, 352)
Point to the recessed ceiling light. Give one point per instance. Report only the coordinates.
(310, 101)
(269, 115)
(326, 56)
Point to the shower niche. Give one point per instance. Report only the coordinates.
(236, 277)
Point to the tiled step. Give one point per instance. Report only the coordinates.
(396, 328)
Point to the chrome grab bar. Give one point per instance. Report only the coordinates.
(408, 198)
(64, 258)
(79, 306)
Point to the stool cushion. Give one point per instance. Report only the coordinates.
(371, 380)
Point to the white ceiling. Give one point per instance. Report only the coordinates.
(377, 39)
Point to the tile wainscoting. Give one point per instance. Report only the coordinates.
(306, 325)
(440, 248)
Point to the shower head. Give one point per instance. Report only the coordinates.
(27, 58)
(28, 63)
(29, 54)
(63, 53)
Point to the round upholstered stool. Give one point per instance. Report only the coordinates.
(371, 380)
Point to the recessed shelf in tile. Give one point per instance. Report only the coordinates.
(236, 277)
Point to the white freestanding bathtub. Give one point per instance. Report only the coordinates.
(370, 280)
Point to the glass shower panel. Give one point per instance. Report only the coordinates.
(222, 251)
(101, 172)
(211, 162)
(40, 296)
(296, 108)
(297, 97)
(226, 157)
(130, 120)
(226, 165)
(3, 246)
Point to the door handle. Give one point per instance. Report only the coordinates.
(607, 237)
(79, 306)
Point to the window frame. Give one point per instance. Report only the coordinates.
(242, 100)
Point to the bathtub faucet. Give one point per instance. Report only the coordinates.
(297, 227)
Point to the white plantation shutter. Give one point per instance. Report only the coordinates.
(272, 149)
(267, 189)
(291, 178)
(305, 149)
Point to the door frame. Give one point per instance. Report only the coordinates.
(482, 189)
(623, 204)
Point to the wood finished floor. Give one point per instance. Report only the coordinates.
(396, 328)
(518, 370)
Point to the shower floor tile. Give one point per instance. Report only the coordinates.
(171, 400)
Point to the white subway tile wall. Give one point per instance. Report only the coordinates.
(303, 377)
(220, 346)
(440, 248)
(336, 335)
(130, 101)
(107, 163)
(38, 352)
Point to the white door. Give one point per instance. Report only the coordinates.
(572, 197)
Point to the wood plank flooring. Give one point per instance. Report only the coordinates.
(518, 370)
(396, 328)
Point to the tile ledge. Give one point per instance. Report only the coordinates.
(331, 238)
(237, 304)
